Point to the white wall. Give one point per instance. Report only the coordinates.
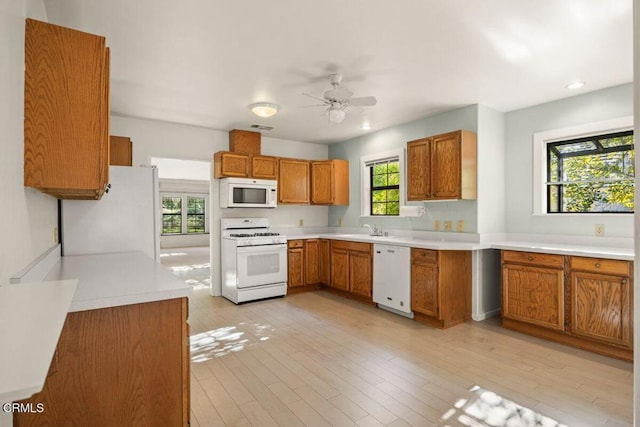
(520, 126)
(28, 217)
(491, 164)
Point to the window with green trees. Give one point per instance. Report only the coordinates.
(184, 213)
(385, 188)
(591, 175)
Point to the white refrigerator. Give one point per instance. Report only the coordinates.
(125, 219)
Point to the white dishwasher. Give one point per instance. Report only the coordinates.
(392, 278)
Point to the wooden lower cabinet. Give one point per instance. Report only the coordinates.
(441, 286)
(312, 261)
(324, 255)
(580, 301)
(351, 267)
(118, 366)
(295, 264)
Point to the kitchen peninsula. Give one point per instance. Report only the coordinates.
(122, 357)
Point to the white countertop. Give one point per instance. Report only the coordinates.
(398, 241)
(543, 247)
(110, 280)
(562, 249)
(31, 319)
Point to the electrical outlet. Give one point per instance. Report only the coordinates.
(448, 226)
(437, 225)
(301, 222)
(460, 226)
(55, 234)
(599, 230)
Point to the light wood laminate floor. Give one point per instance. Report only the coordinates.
(319, 360)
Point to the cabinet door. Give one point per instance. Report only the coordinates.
(312, 264)
(263, 167)
(293, 181)
(424, 288)
(340, 269)
(324, 261)
(66, 111)
(446, 153)
(360, 274)
(600, 307)
(533, 295)
(418, 170)
(227, 164)
(295, 267)
(322, 182)
(120, 151)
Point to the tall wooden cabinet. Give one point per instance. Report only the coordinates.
(293, 181)
(66, 111)
(580, 301)
(441, 286)
(442, 167)
(330, 182)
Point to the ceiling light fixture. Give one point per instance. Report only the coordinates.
(575, 85)
(264, 109)
(336, 114)
(365, 126)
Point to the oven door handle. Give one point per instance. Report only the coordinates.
(262, 248)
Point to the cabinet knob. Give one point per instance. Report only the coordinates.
(624, 281)
(597, 265)
(530, 258)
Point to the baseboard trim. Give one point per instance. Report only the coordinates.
(487, 314)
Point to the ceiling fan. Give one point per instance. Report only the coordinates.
(338, 99)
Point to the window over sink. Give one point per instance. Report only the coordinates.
(382, 183)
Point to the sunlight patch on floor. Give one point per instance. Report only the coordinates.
(219, 342)
(485, 408)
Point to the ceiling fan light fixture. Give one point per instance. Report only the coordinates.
(264, 109)
(336, 115)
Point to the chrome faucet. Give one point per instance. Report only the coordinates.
(375, 231)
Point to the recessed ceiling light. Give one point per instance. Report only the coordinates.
(264, 109)
(365, 126)
(575, 85)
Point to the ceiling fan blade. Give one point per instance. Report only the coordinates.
(338, 94)
(319, 98)
(365, 101)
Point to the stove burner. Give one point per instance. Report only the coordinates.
(241, 235)
(267, 234)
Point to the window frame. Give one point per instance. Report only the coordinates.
(184, 212)
(365, 180)
(540, 142)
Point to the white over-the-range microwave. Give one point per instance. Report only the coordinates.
(248, 193)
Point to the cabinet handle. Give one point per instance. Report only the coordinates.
(597, 265)
(530, 258)
(624, 281)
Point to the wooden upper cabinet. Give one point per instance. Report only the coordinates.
(244, 141)
(66, 111)
(226, 164)
(442, 167)
(293, 181)
(330, 182)
(418, 169)
(120, 151)
(264, 167)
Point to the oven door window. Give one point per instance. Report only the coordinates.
(262, 265)
(245, 195)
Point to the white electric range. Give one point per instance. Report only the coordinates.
(253, 260)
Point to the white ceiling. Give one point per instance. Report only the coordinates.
(202, 62)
